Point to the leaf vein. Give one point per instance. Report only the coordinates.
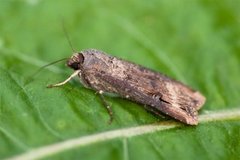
(121, 133)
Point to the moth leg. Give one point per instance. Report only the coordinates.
(107, 106)
(67, 80)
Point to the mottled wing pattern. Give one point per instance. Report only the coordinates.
(145, 86)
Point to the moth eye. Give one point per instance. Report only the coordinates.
(75, 65)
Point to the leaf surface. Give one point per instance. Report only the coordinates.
(196, 42)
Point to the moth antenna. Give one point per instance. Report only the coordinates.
(67, 36)
(30, 78)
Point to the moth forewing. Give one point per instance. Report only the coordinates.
(105, 73)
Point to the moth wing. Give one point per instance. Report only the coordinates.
(147, 87)
(167, 96)
(180, 102)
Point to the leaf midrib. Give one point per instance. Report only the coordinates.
(121, 133)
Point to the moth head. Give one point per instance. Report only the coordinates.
(76, 61)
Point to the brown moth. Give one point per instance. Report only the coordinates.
(158, 93)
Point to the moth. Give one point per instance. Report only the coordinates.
(156, 92)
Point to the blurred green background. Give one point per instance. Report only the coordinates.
(194, 41)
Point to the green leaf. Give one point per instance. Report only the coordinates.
(196, 42)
